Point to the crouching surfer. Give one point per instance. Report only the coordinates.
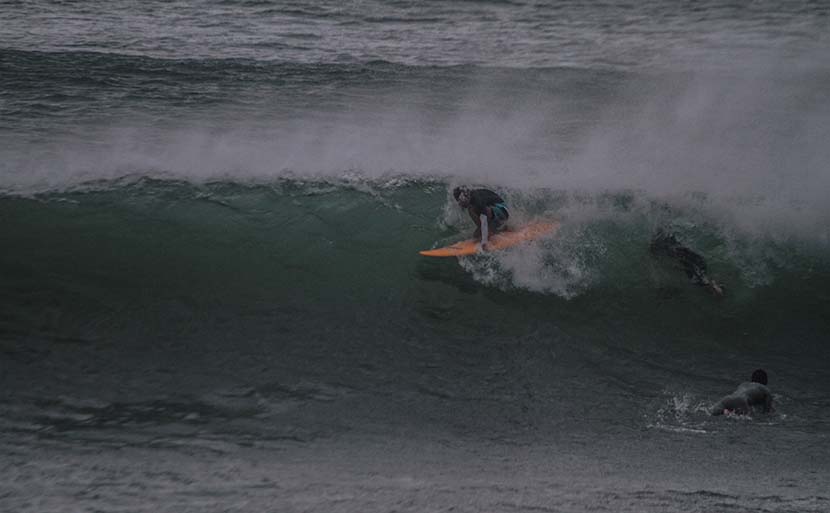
(487, 210)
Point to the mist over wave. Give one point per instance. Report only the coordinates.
(751, 144)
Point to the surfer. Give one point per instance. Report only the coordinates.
(747, 396)
(486, 208)
(666, 244)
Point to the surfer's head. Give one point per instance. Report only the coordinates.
(461, 195)
(759, 376)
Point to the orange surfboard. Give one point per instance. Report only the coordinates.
(501, 240)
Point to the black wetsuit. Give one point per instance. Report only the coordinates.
(479, 201)
(744, 399)
(694, 265)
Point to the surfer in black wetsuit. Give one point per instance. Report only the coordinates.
(666, 244)
(486, 208)
(747, 396)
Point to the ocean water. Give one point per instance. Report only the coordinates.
(211, 297)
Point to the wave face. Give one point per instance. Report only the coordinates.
(210, 218)
(300, 269)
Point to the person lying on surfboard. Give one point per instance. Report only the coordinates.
(486, 208)
(666, 244)
(747, 396)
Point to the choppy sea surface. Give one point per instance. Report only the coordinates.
(211, 297)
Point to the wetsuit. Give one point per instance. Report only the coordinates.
(480, 199)
(744, 399)
(694, 265)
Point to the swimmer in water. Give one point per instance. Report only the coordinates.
(747, 397)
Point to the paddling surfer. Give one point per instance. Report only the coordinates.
(746, 397)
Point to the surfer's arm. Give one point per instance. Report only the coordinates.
(768, 403)
(484, 230)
